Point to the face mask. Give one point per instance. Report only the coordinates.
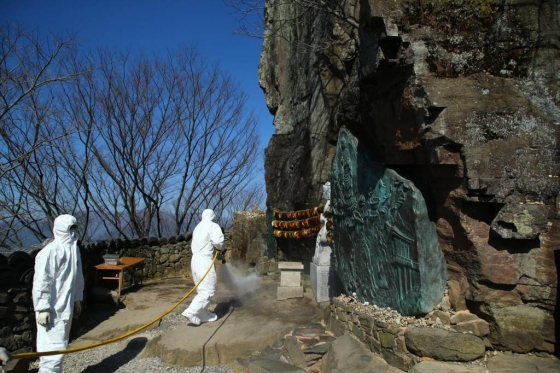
(74, 235)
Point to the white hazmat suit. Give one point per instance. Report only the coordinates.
(58, 286)
(4, 356)
(206, 237)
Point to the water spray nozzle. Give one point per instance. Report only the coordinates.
(222, 256)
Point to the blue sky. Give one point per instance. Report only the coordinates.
(153, 26)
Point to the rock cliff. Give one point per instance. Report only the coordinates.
(460, 97)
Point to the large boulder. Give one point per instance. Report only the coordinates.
(522, 328)
(444, 345)
(347, 354)
(461, 98)
(249, 238)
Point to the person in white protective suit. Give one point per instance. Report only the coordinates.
(5, 356)
(58, 286)
(206, 237)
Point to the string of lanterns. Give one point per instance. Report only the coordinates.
(297, 224)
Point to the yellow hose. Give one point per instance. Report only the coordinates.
(29, 355)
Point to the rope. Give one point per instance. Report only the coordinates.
(297, 224)
(29, 355)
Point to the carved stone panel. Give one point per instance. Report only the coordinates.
(385, 246)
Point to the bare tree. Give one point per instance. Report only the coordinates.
(221, 141)
(32, 71)
(133, 146)
(172, 137)
(252, 17)
(248, 199)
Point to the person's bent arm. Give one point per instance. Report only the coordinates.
(217, 237)
(42, 282)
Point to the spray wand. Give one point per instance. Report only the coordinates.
(222, 256)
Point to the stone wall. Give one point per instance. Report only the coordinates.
(17, 319)
(165, 257)
(249, 241)
(442, 335)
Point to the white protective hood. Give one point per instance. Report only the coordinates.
(61, 229)
(58, 281)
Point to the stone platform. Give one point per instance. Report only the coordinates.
(324, 282)
(290, 280)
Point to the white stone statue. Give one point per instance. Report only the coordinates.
(322, 256)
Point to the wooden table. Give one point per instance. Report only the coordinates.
(125, 263)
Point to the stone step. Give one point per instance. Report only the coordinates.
(263, 365)
(347, 354)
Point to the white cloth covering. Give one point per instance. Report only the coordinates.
(323, 250)
(57, 284)
(206, 237)
(4, 356)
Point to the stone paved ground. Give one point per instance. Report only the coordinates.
(257, 333)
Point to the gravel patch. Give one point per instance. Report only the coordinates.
(124, 356)
(391, 316)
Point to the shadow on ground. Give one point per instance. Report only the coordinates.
(114, 362)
